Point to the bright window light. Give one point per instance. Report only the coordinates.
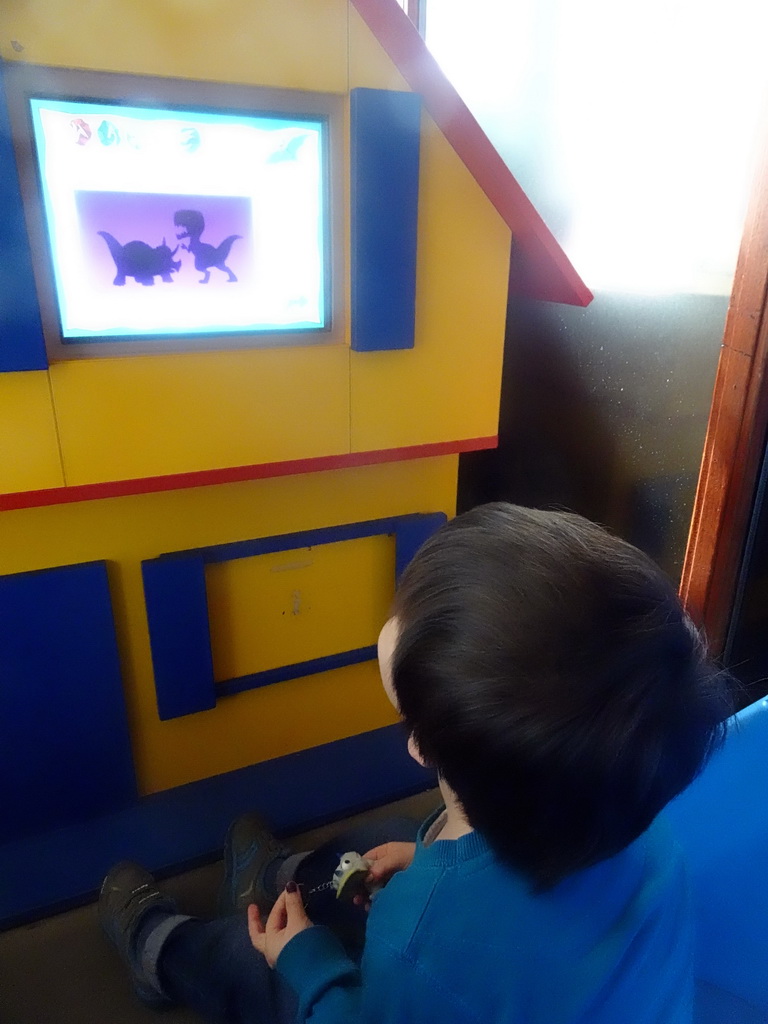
(632, 127)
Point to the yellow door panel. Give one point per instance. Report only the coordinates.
(274, 609)
(291, 44)
(155, 415)
(29, 449)
(269, 722)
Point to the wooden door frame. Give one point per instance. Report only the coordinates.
(736, 433)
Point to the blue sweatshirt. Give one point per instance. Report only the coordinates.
(459, 938)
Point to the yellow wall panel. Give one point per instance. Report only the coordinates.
(273, 609)
(369, 65)
(259, 724)
(447, 387)
(155, 415)
(29, 450)
(293, 44)
(266, 723)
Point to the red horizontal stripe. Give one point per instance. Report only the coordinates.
(236, 474)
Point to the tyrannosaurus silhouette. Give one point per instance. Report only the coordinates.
(206, 256)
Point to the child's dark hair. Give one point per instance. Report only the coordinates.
(548, 671)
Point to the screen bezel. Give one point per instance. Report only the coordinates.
(27, 81)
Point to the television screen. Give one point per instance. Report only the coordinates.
(172, 223)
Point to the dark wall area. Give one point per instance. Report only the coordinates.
(604, 412)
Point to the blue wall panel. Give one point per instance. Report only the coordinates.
(384, 150)
(412, 533)
(65, 753)
(21, 332)
(187, 825)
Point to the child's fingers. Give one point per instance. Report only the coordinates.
(387, 859)
(382, 870)
(294, 907)
(383, 852)
(376, 853)
(381, 866)
(278, 918)
(256, 928)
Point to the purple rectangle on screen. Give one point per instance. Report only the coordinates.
(213, 235)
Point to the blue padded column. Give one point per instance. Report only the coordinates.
(384, 147)
(177, 609)
(414, 530)
(21, 331)
(65, 754)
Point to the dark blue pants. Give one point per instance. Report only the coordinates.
(211, 966)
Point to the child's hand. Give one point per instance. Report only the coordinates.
(285, 921)
(387, 860)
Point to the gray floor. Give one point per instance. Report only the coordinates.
(62, 971)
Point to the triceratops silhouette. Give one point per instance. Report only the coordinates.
(139, 260)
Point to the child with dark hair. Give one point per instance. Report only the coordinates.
(549, 674)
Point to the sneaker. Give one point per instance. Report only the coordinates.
(127, 895)
(251, 852)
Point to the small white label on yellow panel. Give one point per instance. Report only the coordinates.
(293, 606)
